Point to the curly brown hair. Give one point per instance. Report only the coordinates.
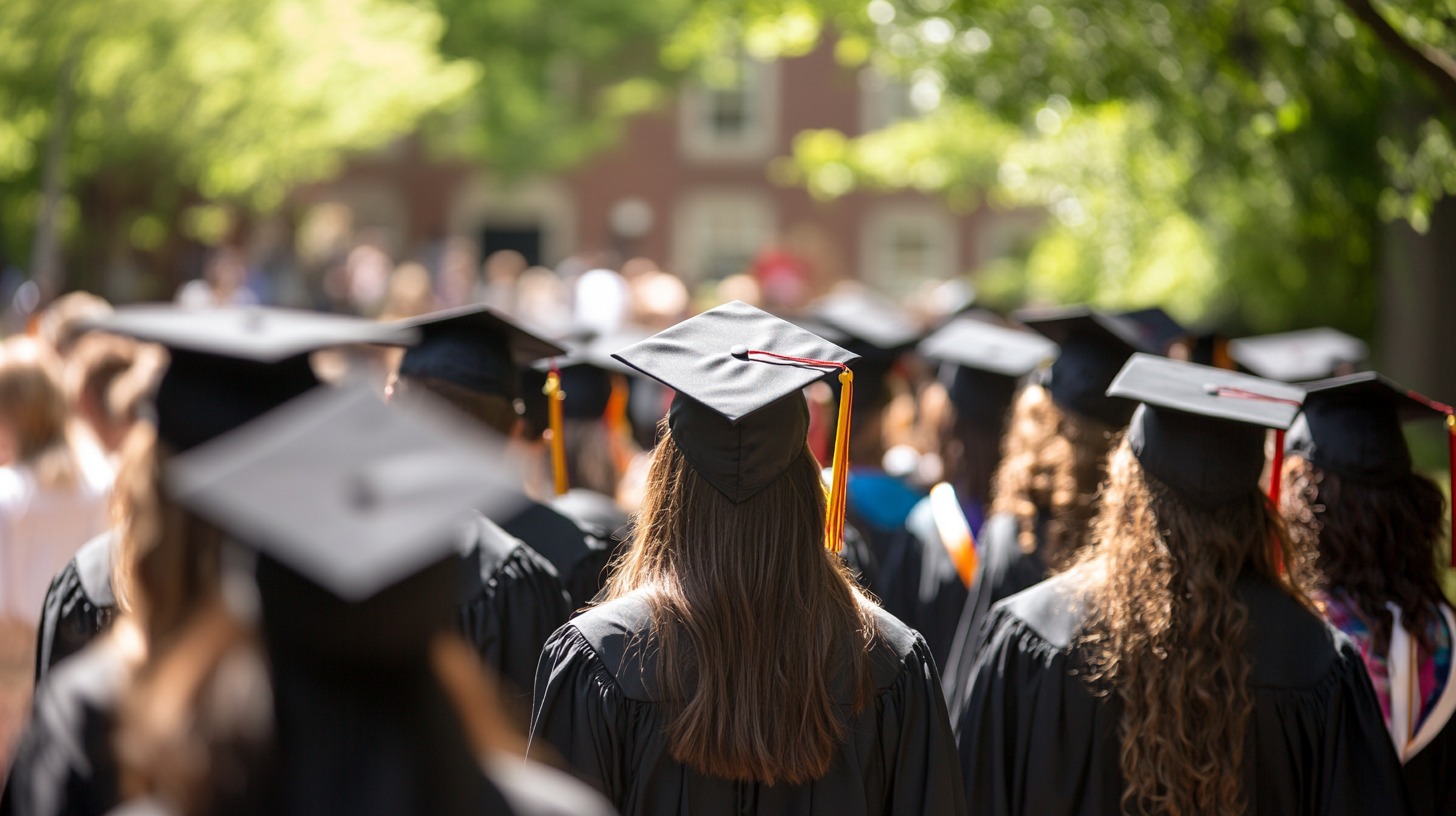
(1166, 633)
(1376, 544)
(1051, 464)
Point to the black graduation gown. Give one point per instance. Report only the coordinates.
(513, 602)
(593, 511)
(1003, 569)
(595, 705)
(579, 555)
(1430, 775)
(1035, 740)
(79, 605)
(932, 592)
(64, 763)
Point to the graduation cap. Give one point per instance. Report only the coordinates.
(587, 371)
(869, 325)
(1155, 328)
(357, 510)
(1298, 356)
(1200, 430)
(1094, 347)
(738, 415)
(983, 362)
(1352, 425)
(230, 365)
(474, 347)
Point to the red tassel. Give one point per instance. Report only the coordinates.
(1451, 473)
(1276, 481)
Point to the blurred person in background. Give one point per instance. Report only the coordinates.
(1044, 493)
(52, 500)
(107, 380)
(459, 283)
(63, 321)
(224, 282)
(1352, 495)
(503, 270)
(543, 301)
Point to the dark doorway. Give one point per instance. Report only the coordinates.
(525, 240)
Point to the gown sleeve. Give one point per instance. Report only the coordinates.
(919, 757)
(1003, 571)
(68, 621)
(579, 713)
(521, 603)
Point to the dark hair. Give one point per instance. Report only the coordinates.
(1166, 632)
(1376, 544)
(717, 576)
(1051, 463)
(491, 410)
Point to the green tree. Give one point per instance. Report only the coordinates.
(234, 100)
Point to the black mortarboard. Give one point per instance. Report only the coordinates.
(1094, 347)
(586, 372)
(1352, 426)
(983, 362)
(230, 365)
(358, 510)
(871, 326)
(1155, 328)
(1299, 355)
(474, 347)
(1200, 430)
(738, 416)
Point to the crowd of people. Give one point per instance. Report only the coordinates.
(580, 545)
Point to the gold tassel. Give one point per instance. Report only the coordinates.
(839, 481)
(554, 398)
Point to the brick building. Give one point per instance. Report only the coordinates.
(689, 186)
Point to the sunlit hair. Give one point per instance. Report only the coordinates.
(33, 406)
(1166, 633)
(752, 618)
(1376, 544)
(1051, 463)
(590, 459)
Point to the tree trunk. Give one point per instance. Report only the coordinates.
(45, 251)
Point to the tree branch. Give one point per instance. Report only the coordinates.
(1438, 66)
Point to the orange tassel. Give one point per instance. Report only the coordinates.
(618, 428)
(839, 481)
(554, 397)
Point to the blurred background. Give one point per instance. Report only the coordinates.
(1250, 167)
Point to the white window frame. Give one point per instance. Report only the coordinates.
(878, 265)
(883, 100)
(760, 139)
(697, 237)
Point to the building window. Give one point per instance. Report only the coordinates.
(906, 245)
(733, 119)
(717, 234)
(883, 101)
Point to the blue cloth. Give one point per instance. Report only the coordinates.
(879, 498)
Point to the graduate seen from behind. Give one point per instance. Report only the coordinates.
(733, 666)
(1044, 493)
(472, 358)
(326, 677)
(1176, 667)
(1352, 495)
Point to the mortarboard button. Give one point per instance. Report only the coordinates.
(1200, 430)
(738, 418)
(352, 495)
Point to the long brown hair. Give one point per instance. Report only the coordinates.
(1166, 632)
(1051, 463)
(751, 618)
(1376, 543)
